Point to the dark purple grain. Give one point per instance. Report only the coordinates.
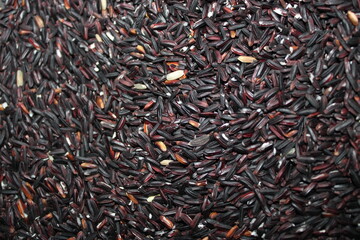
(95, 142)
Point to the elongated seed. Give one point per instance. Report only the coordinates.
(246, 59)
(19, 78)
(353, 18)
(104, 133)
(175, 75)
(103, 4)
(166, 162)
(167, 222)
(39, 21)
(67, 4)
(140, 86)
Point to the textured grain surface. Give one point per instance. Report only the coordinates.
(179, 119)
